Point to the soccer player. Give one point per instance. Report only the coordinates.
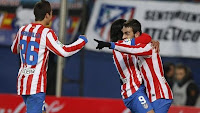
(150, 65)
(33, 42)
(132, 90)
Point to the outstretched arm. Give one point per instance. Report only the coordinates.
(140, 50)
(54, 45)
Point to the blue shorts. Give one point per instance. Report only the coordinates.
(138, 102)
(161, 105)
(34, 103)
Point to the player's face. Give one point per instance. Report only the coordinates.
(171, 72)
(180, 74)
(127, 33)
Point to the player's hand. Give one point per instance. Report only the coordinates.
(102, 44)
(155, 45)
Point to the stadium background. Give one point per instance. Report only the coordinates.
(87, 73)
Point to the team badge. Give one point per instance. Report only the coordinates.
(145, 105)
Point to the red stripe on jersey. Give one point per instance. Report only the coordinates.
(16, 43)
(137, 82)
(147, 82)
(155, 79)
(169, 91)
(118, 65)
(67, 49)
(121, 73)
(162, 74)
(125, 92)
(160, 64)
(129, 46)
(74, 48)
(39, 31)
(28, 40)
(163, 95)
(28, 85)
(21, 39)
(21, 36)
(21, 84)
(52, 48)
(41, 72)
(127, 66)
(53, 34)
(147, 52)
(44, 74)
(161, 71)
(126, 63)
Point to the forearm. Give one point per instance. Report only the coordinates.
(140, 50)
(65, 50)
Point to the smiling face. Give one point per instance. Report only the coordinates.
(127, 33)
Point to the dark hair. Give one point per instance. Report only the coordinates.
(167, 66)
(115, 31)
(134, 24)
(182, 66)
(188, 72)
(41, 9)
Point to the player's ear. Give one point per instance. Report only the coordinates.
(137, 34)
(47, 15)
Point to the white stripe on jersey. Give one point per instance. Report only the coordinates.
(42, 84)
(149, 77)
(39, 65)
(161, 80)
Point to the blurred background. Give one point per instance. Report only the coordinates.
(90, 73)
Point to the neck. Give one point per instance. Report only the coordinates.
(41, 22)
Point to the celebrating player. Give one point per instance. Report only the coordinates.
(33, 42)
(150, 65)
(132, 90)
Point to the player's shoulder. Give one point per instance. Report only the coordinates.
(50, 30)
(20, 29)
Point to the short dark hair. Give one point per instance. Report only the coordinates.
(188, 72)
(41, 8)
(167, 66)
(115, 31)
(134, 24)
(182, 66)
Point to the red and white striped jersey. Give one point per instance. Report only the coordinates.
(126, 65)
(33, 42)
(151, 69)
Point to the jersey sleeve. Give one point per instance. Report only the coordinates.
(140, 49)
(15, 45)
(143, 39)
(54, 45)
